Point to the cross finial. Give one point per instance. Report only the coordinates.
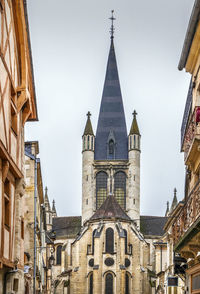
(134, 113)
(112, 29)
(88, 114)
(46, 190)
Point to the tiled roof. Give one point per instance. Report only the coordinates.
(66, 226)
(111, 115)
(110, 209)
(152, 225)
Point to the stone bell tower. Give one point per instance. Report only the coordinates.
(111, 159)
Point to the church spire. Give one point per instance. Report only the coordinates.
(111, 115)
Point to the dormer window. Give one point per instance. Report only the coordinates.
(111, 147)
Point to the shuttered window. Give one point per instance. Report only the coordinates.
(101, 188)
(120, 188)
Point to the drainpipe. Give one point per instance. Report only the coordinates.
(35, 224)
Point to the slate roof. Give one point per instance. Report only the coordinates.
(152, 225)
(66, 226)
(110, 209)
(111, 115)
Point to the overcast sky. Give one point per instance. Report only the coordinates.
(70, 44)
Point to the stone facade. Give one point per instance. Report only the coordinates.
(17, 105)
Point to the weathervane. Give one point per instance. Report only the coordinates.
(112, 29)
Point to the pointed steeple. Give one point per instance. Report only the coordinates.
(167, 210)
(134, 127)
(88, 127)
(54, 213)
(111, 116)
(174, 202)
(46, 200)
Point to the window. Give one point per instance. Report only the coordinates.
(120, 188)
(109, 240)
(127, 284)
(91, 283)
(88, 142)
(126, 241)
(109, 284)
(58, 255)
(93, 234)
(7, 203)
(22, 228)
(111, 147)
(101, 188)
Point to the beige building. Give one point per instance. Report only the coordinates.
(186, 227)
(17, 105)
(109, 249)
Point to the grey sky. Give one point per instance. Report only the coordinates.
(70, 43)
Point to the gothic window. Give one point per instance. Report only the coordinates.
(134, 141)
(111, 147)
(109, 284)
(101, 188)
(91, 284)
(126, 242)
(127, 284)
(58, 255)
(92, 143)
(120, 188)
(93, 241)
(88, 142)
(109, 240)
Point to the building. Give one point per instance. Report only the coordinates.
(109, 249)
(17, 105)
(186, 227)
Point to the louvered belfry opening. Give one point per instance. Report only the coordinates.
(120, 188)
(101, 188)
(109, 284)
(109, 240)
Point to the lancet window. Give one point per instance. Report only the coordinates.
(93, 234)
(126, 241)
(109, 284)
(58, 255)
(109, 240)
(91, 284)
(127, 284)
(101, 188)
(120, 188)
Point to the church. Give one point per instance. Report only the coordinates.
(109, 249)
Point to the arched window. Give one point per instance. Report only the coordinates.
(126, 241)
(88, 142)
(127, 284)
(91, 283)
(109, 284)
(93, 234)
(58, 254)
(111, 147)
(109, 240)
(101, 188)
(120, 188)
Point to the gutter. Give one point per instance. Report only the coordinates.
(194, 19)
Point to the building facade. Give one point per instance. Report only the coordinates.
(186, 227)
(17, 105)
(109, 249)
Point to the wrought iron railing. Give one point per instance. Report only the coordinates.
(190, 212)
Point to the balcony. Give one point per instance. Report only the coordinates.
(187, 221)
(192, 137)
